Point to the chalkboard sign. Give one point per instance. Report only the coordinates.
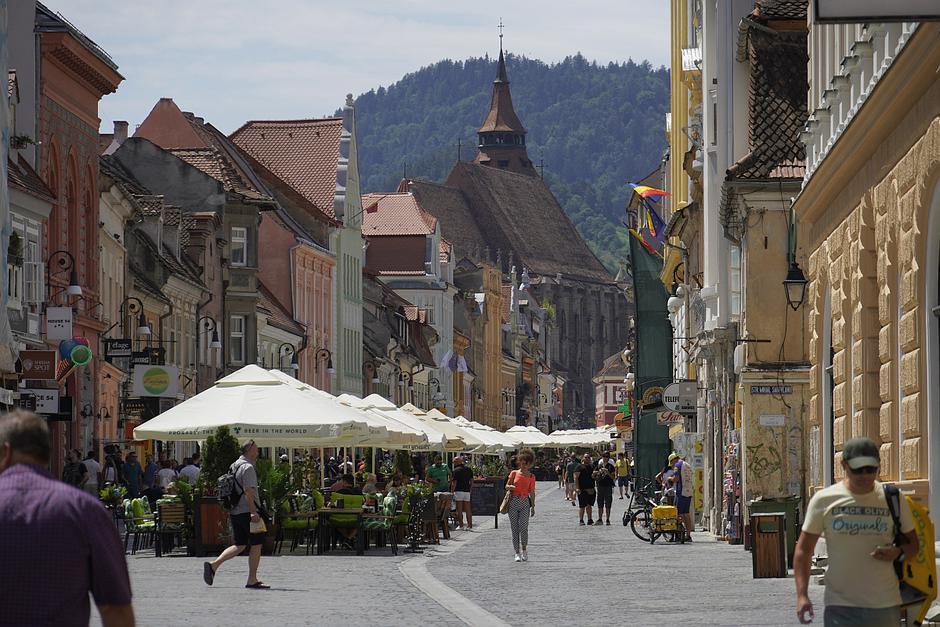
(486, 495)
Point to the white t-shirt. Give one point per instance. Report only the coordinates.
(854, 526)
(93, 469)
(191, 472)
(165, 477)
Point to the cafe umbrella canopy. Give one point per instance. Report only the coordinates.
(383, 431)
(375, 403)
(529, 436)
(257, 405)
(458, 438)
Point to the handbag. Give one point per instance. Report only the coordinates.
(507, 496)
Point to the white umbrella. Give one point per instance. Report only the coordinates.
(496, 441)
(454, 436)
(385, 408)
(443, 422)
(257, 405)
(529, 436)
(383, 432)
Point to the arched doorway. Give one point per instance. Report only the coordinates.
(932, 302)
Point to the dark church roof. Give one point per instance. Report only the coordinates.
(484, 211)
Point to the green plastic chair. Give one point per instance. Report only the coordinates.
(138, 522)
(383, 526)
(350, 501)
(301, 528)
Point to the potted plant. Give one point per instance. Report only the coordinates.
(210, 520)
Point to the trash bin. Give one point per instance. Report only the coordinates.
(768, 548)
(788, 505)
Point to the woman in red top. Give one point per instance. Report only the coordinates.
(522, 484)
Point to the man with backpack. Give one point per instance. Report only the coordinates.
(868, 528)
(246, 516)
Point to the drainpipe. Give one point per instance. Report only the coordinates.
(199, 309)
(161, 319)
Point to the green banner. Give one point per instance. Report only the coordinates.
(652, 360)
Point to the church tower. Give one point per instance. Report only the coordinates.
(502, 136)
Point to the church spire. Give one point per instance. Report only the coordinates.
(502, 135)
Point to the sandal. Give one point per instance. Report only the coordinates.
(208, 574)
(258, 585)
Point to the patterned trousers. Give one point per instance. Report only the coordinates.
(519, 521)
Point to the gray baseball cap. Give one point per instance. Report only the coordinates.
(861, 452)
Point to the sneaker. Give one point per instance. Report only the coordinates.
(573, 503)
(518, 558)
(621, 498)
(608, 522)
(525, 556)
(590, 522)
(581, 522)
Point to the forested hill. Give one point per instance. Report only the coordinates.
(594, 126)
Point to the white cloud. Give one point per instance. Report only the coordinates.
(232, 60)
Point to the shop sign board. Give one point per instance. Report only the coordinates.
(775, 390)
(38, 364)
(162, 381)
(681, 397)
(870, 11)
(669, 418)
(652, 397)
(58, 323)
(47, 400)
(117, 347)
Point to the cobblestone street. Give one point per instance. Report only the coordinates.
(575, 576)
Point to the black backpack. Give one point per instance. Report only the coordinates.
(228, 490)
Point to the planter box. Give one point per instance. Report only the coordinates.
(211, 528)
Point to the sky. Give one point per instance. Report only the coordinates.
(229, 61)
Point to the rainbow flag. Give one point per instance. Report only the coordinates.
(646, 191)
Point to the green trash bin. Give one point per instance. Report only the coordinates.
(788, 505)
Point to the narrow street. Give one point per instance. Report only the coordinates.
(575, 576)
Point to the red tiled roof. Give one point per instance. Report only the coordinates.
(23, 177)
(302, 153)
(445, 250)
(501, 116)
(397, 214)
(278, 316)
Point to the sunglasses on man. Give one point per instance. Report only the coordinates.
(864, 470)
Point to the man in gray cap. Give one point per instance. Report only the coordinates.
(854, 515)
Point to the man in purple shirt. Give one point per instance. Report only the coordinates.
(58, 543)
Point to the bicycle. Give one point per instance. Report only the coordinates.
(639, 514)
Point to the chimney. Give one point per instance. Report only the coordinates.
(120, 131)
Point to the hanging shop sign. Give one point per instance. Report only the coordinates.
(117, 347)
(160, 381)
(681, 396)
(871, 11)
(652, 397)
(27, 401)
(669, 418)
(46, 401)
(58, 323)
(772, 389)
(38, 364)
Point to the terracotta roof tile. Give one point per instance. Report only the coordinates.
(445, 251)
(22, 176)
(396, 214)
(278, 316)
(303, 153)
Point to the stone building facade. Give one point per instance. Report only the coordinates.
(870, 228)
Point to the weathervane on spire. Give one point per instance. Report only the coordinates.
(500, 34)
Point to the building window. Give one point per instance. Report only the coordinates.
(239, 246)
(734, 277)
(237, 339)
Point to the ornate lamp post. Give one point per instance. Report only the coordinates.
(66, 263)
(324, 354)
(288, 349)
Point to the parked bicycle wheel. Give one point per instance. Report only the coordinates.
(641, 525)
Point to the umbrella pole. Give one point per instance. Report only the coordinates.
(322, 470)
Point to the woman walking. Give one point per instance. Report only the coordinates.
(522, 484)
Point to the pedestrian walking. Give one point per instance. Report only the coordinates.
(684, 491)
(190, 469)
(585, 489)
(133, 475)
(58, 544)
(604, 480)
(522, 502)
(862, 544)
(570, 487)
(75, 473)
(150, 472)
(246, 518)
(463, 482)
(93, 484)
(623, 474)
(166, 476)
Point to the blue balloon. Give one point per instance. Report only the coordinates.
(65, 348)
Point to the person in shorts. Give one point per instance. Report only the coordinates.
(570, 488)
(623, 474)
(463, 482)
(586, 488)
(247, 511)
(604, 479)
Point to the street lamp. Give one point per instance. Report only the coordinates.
(66, 263)
(209, 324)
(321, 355)
(288, 349)
(795, 285)
(373, 369)
(135, 307)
